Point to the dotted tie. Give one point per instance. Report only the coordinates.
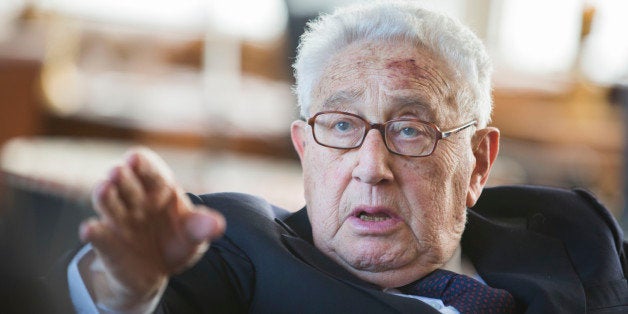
(464, 293)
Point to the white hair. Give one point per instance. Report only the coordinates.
(389, 21)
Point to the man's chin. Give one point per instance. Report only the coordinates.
(397, 266)
(388, 276)
(376, 260)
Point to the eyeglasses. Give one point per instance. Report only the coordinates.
(405, 136)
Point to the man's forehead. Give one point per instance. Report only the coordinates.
(392, 76)
(394, 103)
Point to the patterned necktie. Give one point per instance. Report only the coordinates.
(464, 293)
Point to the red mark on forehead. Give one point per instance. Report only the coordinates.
(404, 68)
(407, 73)
(404, 72)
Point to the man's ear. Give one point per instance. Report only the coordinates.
(486, 144)
(297, 133)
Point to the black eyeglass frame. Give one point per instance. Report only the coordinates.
(381, 127)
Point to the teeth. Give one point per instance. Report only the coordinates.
(366, 217)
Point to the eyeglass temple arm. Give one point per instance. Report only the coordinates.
(447, 134)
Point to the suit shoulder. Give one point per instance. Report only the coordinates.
(569, 208)
(588, 231)
(240, 205)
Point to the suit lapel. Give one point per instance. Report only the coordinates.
(534, 268)
(299, 224)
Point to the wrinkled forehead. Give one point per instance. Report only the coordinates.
(386, 80)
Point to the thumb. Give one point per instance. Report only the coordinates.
(204, 224)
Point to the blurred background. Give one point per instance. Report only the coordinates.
(206, 83)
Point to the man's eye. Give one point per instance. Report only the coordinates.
(342, 126)
(409, 132)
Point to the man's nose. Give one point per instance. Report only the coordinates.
(372, 165)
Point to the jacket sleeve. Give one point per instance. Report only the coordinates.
(221, 282)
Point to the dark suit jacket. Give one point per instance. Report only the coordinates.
(556, 251)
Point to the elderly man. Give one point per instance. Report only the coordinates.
(395, 149)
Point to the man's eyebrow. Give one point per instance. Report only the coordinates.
(341, 99)
(414, 104)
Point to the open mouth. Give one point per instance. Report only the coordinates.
(369, 220)
(364, 216)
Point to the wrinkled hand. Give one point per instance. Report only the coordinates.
(147, 230)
